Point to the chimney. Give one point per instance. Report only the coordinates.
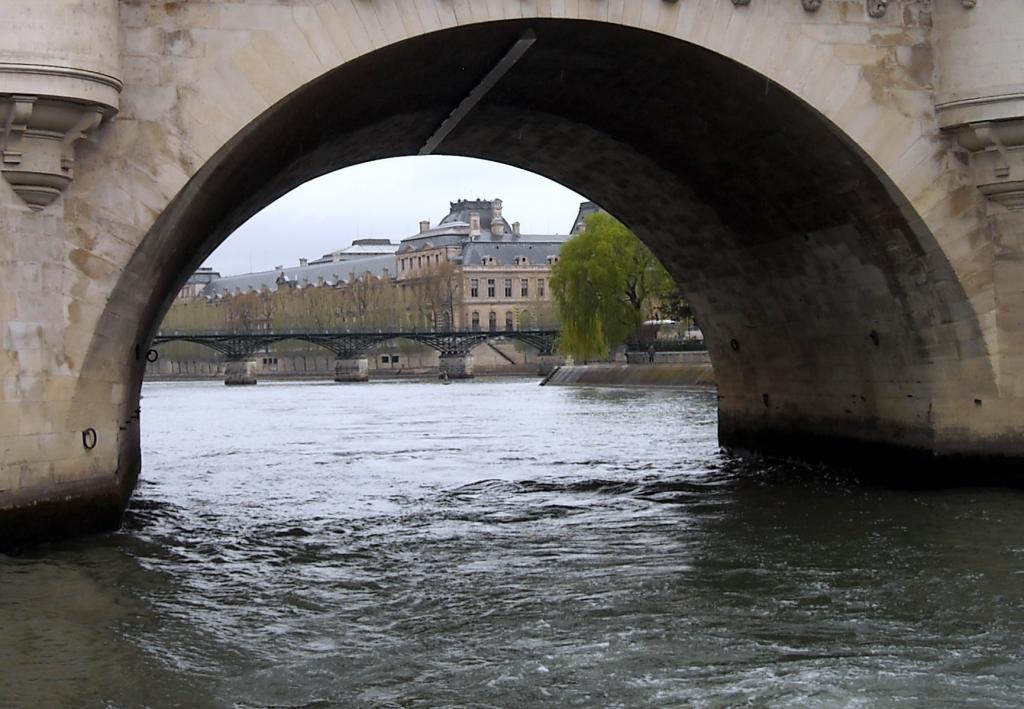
(303, 262)
(497, 226)
(424, 226)
(474, 225)
(515, 228)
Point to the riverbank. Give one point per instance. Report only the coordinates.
(694, 370)
(383, 374)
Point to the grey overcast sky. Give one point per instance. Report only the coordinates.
(387, 199)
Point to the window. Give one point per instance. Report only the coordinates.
(508, 287)
(394, 359)
(474, 288)
(490, 287)
(525, 319)
(419, 261)
(492, 321)
(509, 322)
(437, 258)
(540, 287)
(403, 264)
(384, 359)
(524, 287)
(476, 321)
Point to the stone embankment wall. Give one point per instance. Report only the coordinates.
(669, 370)
(498, 357)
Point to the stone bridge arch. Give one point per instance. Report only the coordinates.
(784, 158)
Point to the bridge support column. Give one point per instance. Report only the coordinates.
(238, 372)
(979, 94)
(354, 369)
(456, 367)
(546, 364)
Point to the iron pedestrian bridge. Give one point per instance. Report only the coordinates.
(237, 345)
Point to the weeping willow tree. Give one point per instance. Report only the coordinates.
(605, 284)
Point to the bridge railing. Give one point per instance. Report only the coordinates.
(667, 345)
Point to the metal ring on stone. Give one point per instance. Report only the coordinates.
(89, 438)
(735, 344)
(152, 356)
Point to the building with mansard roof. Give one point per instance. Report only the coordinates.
(360, 248)
(330, 273)
(197, 283)
(476, 268)
(487, 274)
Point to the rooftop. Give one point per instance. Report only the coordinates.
(488, 210)
(359, 249)
(503, 246)
(330, 273)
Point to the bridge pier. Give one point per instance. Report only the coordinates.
(351, 369)
(455, 367)
(546, 364)
(240, 372)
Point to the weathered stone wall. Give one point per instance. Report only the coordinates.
(787, 165)
(668, 374)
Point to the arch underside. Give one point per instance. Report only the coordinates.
(817, 290)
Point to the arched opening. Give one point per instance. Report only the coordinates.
(832, 314)
(242, 319)
(815, 283)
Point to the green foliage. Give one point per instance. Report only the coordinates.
(605, 283)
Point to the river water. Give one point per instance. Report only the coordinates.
(496, 543)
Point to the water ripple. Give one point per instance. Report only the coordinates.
(514, 545)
